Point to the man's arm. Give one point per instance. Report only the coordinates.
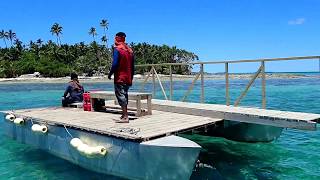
(115, 63)
(67, 91)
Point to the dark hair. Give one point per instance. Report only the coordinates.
(121, 34)
(74, 76)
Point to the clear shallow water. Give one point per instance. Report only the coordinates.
(295, 155)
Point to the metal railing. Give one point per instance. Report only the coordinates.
(260, 71)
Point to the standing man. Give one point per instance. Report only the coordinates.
(123, 70)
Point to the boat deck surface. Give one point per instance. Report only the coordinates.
(285, 119)
(169, 117)
(144, 128)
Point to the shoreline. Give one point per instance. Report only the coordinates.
(140, 78)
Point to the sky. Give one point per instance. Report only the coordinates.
(214, 30)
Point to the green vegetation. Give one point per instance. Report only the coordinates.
(57, 59)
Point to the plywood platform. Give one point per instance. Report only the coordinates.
(169, 117)
(140, 129)
(286, 119)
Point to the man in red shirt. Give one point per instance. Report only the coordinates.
(123, 70)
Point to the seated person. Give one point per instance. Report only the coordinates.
(73, 92)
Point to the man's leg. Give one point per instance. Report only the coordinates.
(125, 107)
(125, 112)
(121, 97)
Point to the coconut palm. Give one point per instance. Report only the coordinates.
(56, 29)
(93, 32)
(4, 36)
(11, 36)
(105, 25)
(104, 39)
(18, 44)
(39, 42)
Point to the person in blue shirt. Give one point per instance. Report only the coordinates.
(123, 70)
(74, 91)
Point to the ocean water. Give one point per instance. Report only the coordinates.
(294, 155)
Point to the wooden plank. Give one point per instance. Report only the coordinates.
(202, 83)
(149, 105)
(190, 87)
(250, 115)
(263, 85)
(153, 83)
(235, 61)
(227, 84)
(162, 89)
(131, 95)
(110, 94)
(248, 86)
(159, 124)
(145, 80)
(181, 125)
(138, 107)
(171, 83)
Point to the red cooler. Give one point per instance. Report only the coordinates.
(86, 97)
(86, 101)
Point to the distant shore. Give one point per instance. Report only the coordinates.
(176, 77)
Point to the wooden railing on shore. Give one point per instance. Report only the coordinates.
(260, 71)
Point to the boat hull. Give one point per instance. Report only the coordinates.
(170, 157)
(245, 132)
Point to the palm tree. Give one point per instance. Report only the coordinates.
(39, 42)
(93, 32)
(18, 44)
(104, 39)
(4, 36)
(105, 25)
(11, 36)
(56, 29)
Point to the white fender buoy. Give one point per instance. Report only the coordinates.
(75, 142)
(10, 117)
(39, 128)
(83, 148)
(99, 150)
(18, 121)
(87, 150)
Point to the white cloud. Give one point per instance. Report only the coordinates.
(297, 21)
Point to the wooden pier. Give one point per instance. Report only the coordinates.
(286, 119)
(168, 117)
(144, 128)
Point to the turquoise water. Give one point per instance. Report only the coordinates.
(295, 155)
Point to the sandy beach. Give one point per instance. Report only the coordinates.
(176, 77)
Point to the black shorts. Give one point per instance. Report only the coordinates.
(121, 91)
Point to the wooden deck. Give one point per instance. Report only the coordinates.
(169, 117)
(140, 129)
(286, 119)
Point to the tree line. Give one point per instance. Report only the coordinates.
(57, 59)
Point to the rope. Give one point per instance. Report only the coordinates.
(67, 131)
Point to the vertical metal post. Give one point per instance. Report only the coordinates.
(227, 83)
(171, 83)
(263, 81)
(319, 64)
(202, 83)
(153, 83)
